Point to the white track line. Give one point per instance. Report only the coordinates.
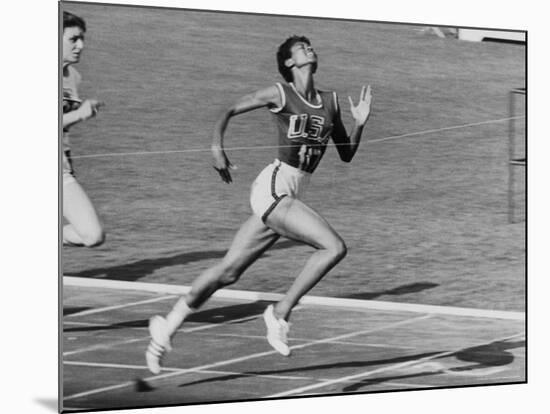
(206, 371)
(96, 324)
(230, 335)
(103, 346)
(306, 300)
(383, 369)
(245, 374)
(370, 345)
(126, 305)
(409, 385)
(146, 338)
(233, 373)
(116, 366)
(243, 358)
(223, 335)
(263, 147)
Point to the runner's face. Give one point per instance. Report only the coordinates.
(303, 54)
(73, 43)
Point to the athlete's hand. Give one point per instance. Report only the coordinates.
(89, 108)
(361, 111)
(222, 164)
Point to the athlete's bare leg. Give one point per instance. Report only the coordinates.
(295, 220)
(250, 242)
(84, 228)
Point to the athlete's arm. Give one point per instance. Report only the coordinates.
(347, 145)
(87, 110)
(269, 97)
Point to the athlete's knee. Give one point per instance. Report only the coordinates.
(94, 238)
(337, 248)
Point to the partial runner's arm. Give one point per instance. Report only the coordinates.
(87, 110)
(347, 145)
(265, 97)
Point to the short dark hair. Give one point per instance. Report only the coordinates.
(284, 53)
(72, 20)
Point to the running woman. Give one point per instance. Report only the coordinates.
(306, 119)
(84, 227)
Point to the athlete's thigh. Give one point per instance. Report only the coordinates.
(294, 219)
(78, 209)
(251, 241)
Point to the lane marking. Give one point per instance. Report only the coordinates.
(109, 365)
(359, 344)
(146, 338)
(93, 324)
(306, 300)
(245, 374)
(200, 328)
(409, 385)
(206, 371)
(264, 147)
(113, 307)
(440, 368)
(232, 373)
(103, 346)
(380, 370)
(244, 358)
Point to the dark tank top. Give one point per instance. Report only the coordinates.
(304, 128)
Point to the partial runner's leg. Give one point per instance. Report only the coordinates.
(250, 242)
(84, 228)
(295, 220)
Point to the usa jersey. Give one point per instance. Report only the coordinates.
(304, 128)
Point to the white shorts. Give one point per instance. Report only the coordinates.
(276, 181)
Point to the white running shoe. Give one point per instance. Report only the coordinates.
(159, 345)
(277, 330)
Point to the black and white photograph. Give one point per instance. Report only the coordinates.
(262, 207)
(274, 206)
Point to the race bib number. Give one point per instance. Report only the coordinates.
(309, 156)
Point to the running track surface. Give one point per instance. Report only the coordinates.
(220, 354)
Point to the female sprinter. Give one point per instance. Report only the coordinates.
(306, 119)
(83, 228)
